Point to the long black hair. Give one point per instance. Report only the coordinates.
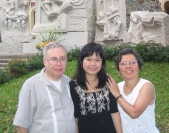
(80, 76)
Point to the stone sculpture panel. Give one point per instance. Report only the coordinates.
(65, 15)
(147, 27)
(110, 23)
(111, 20)
(16, 15)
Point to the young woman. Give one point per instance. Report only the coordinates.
(95, 107)
(135, 95)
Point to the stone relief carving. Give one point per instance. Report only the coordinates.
(52, 8)
(110, 23)
(9, 7)
(15, 14)
(21, 14)
(145, 27)
(58, 14)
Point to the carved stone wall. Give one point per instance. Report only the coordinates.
(80, 21)
(14, 26)
(72, 17)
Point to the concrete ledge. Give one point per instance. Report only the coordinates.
(16, 56)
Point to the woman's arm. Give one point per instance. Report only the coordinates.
(21, 130)
(76, 121)
(76, 101)
(146, 97)
(117, 122)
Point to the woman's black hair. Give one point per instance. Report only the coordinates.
(128, 51)
(80, 76)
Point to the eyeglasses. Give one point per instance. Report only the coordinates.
(54, 60)
(131, 63)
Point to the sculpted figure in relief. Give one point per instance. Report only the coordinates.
(143, 27)
(110, 23)
(55, 7)
(9, 7)
(21, 14)
(15, 16)
(55, 14)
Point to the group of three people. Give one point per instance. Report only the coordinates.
(92, 102)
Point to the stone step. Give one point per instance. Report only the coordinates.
(3, 64)
(5, 58)
(14, 56)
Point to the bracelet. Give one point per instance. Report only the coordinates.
(120, 96)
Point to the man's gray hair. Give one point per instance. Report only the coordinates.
(52, 45)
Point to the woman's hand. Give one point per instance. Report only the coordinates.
(113, 87)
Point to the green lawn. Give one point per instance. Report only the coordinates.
(158, 74)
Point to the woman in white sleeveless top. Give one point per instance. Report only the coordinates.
(135, 96)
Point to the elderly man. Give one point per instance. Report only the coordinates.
(45, 104)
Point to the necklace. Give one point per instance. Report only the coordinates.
(128, 90)
(93, 85)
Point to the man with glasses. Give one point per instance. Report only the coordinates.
(45, 104)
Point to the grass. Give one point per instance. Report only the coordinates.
(157, 73)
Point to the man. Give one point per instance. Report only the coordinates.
(45, 104)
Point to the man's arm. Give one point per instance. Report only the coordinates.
(21, 130)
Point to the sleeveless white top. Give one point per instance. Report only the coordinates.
(145, 123)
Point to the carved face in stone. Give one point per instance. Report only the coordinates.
(100, 15)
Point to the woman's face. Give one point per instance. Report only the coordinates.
(92, 64)
(129, 67)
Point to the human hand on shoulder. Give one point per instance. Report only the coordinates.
(113, 87)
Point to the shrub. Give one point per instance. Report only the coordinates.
(153, 52)
(73, 53)
(17, 67)
(112, 51)
(35, 62)
(149, 52)
(4, 76)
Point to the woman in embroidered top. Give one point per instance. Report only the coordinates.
(95, 107)
(135, 96)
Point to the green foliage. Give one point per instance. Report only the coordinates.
(51, 35)
(9, 100)
(112, 51)
(35, 62)
(4, 76)
(47, 36)
(148, 52)
(17, 67)
(153, 52)
(158, 75)
(73, 53)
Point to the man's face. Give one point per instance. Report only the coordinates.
(55, 63)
